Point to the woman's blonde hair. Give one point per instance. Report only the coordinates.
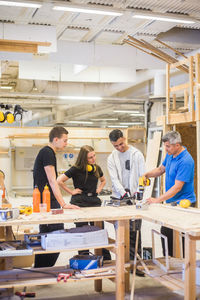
(82, 160)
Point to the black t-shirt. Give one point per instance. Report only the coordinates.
(45, 157)
(86, 184)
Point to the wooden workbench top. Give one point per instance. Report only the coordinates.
(185, 220)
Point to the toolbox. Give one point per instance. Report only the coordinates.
(86, 262)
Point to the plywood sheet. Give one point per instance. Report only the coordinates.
(153, 148)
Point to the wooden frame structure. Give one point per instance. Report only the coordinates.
(186, 119)
(182, 220)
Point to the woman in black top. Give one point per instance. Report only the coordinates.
(85, 175)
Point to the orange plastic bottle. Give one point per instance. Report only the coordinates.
(46, 197)
(4, 193)
(36, 200)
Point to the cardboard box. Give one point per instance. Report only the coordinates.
(68, 240)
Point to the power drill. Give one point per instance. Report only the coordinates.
(142, 183)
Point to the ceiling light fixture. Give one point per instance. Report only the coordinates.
(117, 126)
(6, 87)
(166, 18)
(138, 115)
(88, 10)
(81, 98)
(127, 111)
(20, 4)
(80, 122)
(106, 119)
(131, 123)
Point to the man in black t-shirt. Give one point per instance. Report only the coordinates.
(45, 172)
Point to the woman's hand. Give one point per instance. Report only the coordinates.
(70, 206)
(76, 192)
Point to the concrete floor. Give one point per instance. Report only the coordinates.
(146, 289)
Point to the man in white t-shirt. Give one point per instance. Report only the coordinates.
(125, 166)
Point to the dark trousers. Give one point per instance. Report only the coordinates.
(134, 226)
(47, 260)
(168, 232)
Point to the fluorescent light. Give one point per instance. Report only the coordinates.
(80, 122)
(131, 123)
(163, 18)
(6, 87)
(117, 126)
(139, 115)
(127, 111)
(20, 4)
(87, 10)
(111, 119)
(81, 98)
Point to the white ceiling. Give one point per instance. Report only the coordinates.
(88, 57)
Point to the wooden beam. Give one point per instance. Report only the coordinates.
(169, 47)
(167, 91)
(179, 87)
(174, 102)
(185, 98)
(179, 63)
(191, 87)
(190, 268)
(141, 49)
(21, 46)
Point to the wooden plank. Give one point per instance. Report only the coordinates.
(179, 63)
(179, 118)
(191, 87)
(98, 283)
(152, 161)
(174, 102)
(120, 260)
(190, 269)
(170, 58)
(179, 87)
(169, 47)
(141, 49)
(197, 74)
(127, 255)
(13, 42)
(176, 245)
(134, 266)
(185, 98)
(21, 46)
(198, 161)
(167, 92)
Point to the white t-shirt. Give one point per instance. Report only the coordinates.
(124, 158)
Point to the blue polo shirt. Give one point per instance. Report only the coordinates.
(180, 168)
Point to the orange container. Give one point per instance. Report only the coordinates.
(4, 193)
(46, 197)
(36, 200)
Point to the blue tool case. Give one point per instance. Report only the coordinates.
(86, 262)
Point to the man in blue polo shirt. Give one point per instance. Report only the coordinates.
(178, 166)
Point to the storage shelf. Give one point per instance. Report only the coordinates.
(20, 278)
(41, 251)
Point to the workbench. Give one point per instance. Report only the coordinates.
(182, 220)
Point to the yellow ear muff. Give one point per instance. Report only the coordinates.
(2, 117)
(91, 168)
(9, 117)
